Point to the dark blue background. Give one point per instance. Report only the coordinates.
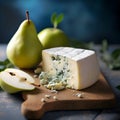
(85, 20)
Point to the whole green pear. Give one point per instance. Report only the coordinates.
(24, 50)
(53, 37)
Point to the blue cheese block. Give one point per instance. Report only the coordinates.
(69, 67)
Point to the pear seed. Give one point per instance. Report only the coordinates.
(22, 79)
(11, 73)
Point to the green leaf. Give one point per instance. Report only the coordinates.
(118, 87)
(116, 53)
(56, 19)
(104, 46)
(60, 18)
(106, 57)
(112, 60)
(53, 18)
(116, 64)
(5, 64)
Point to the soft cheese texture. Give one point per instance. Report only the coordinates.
(71, 67)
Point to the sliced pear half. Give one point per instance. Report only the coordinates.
(15, 80)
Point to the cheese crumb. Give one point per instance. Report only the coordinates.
(54, 97)
(80, 95)
(35, 76)
(47, 96)
(54, 91)
(38, 70)
(43, 100)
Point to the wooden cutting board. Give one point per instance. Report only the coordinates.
(36, 103)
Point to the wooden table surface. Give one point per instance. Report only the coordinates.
(10, 105)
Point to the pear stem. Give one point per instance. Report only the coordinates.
(27, 16)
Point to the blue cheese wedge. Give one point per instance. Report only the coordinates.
(67, 67)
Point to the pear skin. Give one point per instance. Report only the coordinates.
(53, 37)
(24, 50)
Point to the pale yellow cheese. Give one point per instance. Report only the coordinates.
(79, 68)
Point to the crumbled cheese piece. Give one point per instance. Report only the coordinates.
(80, 95)
(47, 96)
(35, 76)
(54, 97)
(38, 70)
(54, 91)
(42, 100)
(52, 82)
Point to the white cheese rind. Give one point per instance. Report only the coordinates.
(79, 66)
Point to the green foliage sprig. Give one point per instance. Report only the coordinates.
(56, 19)
(5, 64)
(111, 59)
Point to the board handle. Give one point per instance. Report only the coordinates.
(32, 109)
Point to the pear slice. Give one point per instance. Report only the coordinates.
(15, 80)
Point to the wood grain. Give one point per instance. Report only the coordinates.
(98, 96)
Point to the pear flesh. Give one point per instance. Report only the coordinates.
(24, 50)
(15, 80)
